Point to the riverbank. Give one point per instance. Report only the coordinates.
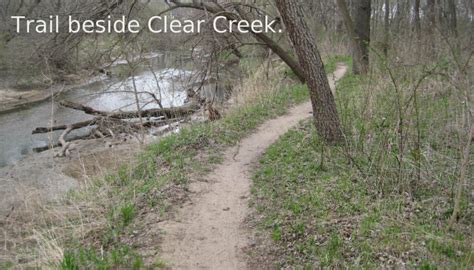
(111, 211)
(43, 177)
(101, 92)
(12, 100)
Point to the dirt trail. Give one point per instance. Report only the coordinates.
(208, 232)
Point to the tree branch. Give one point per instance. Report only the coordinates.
(277, 49)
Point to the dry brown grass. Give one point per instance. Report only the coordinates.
(262, 83)
(35, 231)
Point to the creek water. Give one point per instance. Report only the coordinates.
(164, 75)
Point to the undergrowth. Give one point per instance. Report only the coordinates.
(376, 201)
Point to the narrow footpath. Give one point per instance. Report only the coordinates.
(208, 232)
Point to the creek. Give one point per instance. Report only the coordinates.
(163, 74)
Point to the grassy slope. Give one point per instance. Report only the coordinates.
(172, 161)
(329, 213)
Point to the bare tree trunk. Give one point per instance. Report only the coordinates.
(324, 107)
(386, 27)
(58, 5)
(362, 28)
(431, 16)
(338, 21)
(453, 20)
(440, 14)
(360, 32)
(403, 9)
(417, 18)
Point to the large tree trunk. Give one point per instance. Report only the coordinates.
(440, 14)
(324, 107)
(359, 30)
(362, 28)
(417, 17)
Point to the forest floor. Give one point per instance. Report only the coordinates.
(209, 232)
(323, 207)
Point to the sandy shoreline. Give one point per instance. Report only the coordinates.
(12, 100)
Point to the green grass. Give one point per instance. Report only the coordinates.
(118, 257)
(331, 63)
(330, 217)
(343, 212)
(6, 265)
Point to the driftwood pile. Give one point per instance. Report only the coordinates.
(109, 124)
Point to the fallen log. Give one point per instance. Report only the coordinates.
(77, 125)
(111, 123)
(65, 145)
(80, 107)
(99, 121)
(57, 144)
(44, 148)
(165, 112)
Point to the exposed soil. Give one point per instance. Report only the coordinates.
(45, 177)
(209, 231)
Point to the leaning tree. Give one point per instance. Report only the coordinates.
(324, 107)
(308, 69)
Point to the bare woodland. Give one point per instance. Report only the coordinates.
(406, 131)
